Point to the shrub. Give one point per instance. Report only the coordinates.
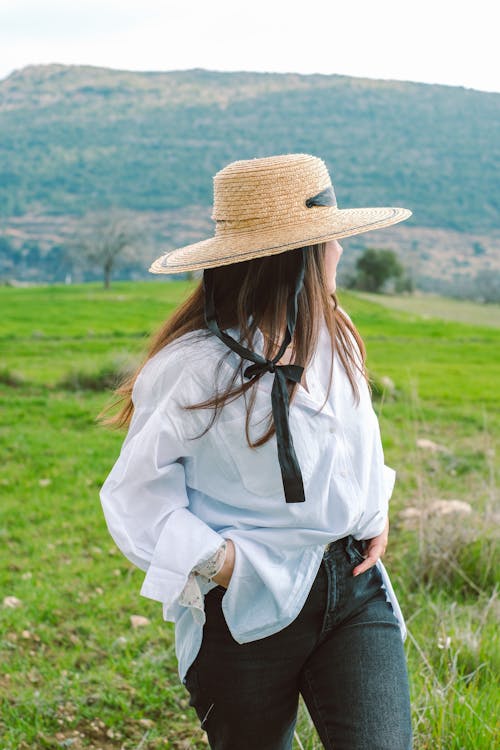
(107, 377)
(384, 388)
(11, 378)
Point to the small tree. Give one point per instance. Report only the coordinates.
(106, 239)
(375, 267)
(486, 286)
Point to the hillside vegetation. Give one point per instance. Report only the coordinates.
(94, 137)
(78, 671)
(78, 139)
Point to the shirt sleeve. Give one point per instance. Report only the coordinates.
(144, 498)
(191, 595)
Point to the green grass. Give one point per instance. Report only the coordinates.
(427, 306)
(76, 674)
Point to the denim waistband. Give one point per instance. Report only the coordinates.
(346, 543)
(338, 543)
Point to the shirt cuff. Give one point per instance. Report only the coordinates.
(191, 595)
(184, 542)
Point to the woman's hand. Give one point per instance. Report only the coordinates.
(224, 575)
(376, 548)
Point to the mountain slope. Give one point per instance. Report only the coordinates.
(76, 139)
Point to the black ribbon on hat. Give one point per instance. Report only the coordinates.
(325, 198)
(290, 470)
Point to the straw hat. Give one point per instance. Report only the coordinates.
(273, 204)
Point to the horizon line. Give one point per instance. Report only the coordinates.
(12, 71)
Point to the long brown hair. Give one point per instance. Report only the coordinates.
(259, 289)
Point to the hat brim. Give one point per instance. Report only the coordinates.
(239, 246)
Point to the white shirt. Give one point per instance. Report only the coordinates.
(170, 502)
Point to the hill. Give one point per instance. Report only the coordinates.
(79, 138)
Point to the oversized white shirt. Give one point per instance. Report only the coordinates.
(170, 500)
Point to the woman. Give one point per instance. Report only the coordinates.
(251, 486)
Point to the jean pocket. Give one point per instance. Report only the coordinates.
(204, 707)
(358, 549)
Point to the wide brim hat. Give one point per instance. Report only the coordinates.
(270, 205)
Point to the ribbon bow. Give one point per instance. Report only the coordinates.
(290, 470)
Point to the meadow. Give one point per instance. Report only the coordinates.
(79, 671)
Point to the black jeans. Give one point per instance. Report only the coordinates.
(343, 653)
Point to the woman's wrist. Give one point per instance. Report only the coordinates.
(223, 577)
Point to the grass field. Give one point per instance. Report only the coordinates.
(428, 306)
(76, 674)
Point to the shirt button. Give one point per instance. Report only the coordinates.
(331, 430)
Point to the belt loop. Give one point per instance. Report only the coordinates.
(344, 543)
(349, 548)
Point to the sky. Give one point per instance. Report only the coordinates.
(429, 41)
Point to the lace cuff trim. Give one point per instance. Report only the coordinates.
(191, 595)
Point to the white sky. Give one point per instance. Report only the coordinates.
(433, 41)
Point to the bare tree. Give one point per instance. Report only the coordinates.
(106, 239)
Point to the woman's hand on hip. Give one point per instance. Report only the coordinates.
(224, 575)
(375, 549)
